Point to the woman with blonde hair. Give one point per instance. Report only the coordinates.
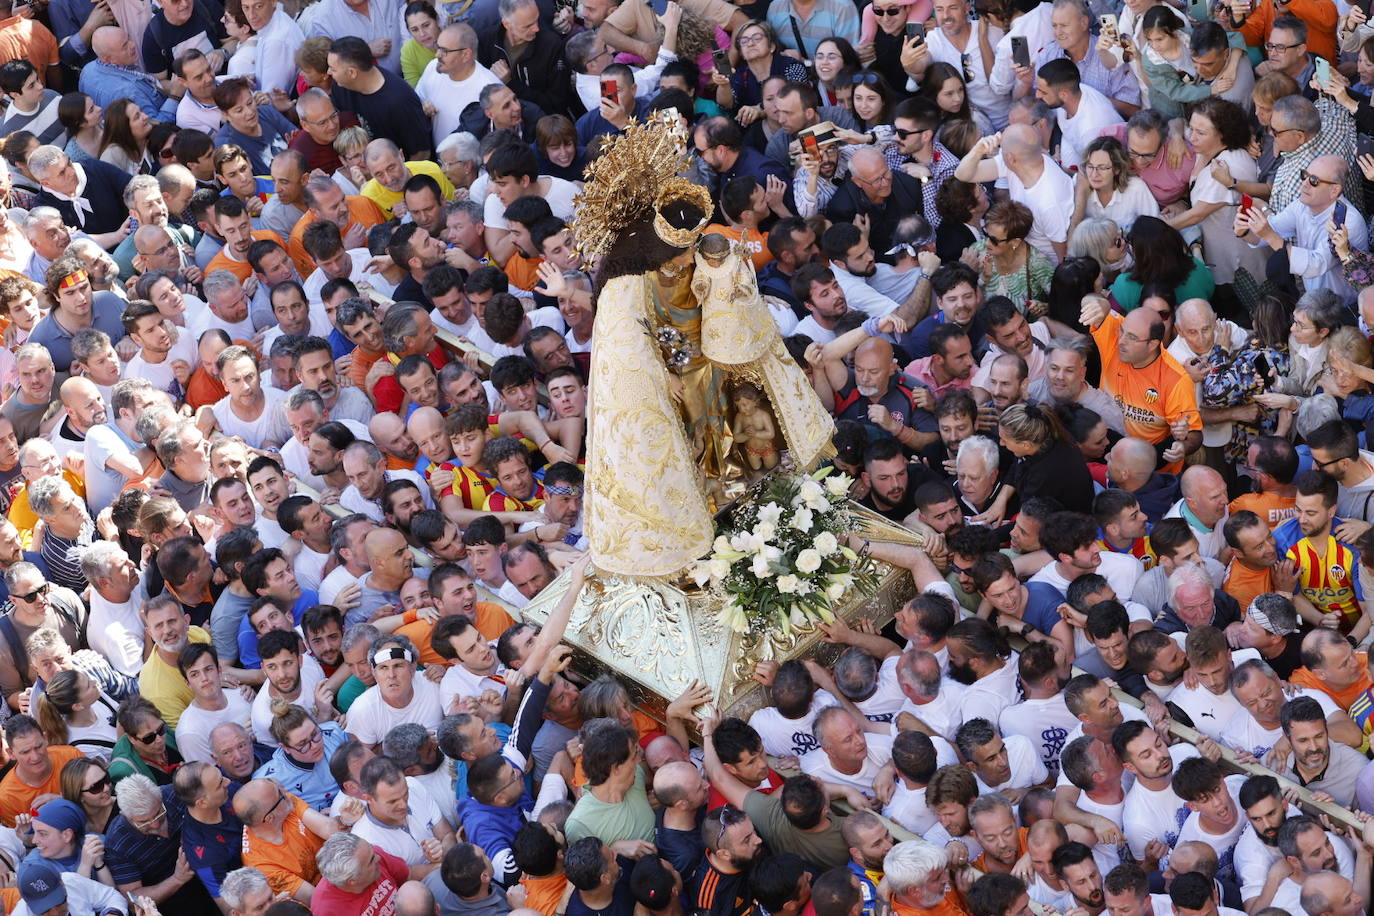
(1048, 462)
(73, 710)
(305, 746)
(350, 144)
(86, 781)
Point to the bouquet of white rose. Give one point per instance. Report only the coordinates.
(779, 560)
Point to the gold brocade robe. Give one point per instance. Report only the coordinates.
(647, 512)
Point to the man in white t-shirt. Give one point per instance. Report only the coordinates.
(869, 680)
(453, 80)
(289, 674)
(915, 758)
(1214, 801)
(1033, 179)
(1210, 705)
(1071, 539)
(402, 694)
(1082, 111)
(785, 727)
(1042, 717)
(980, 659)
(400, 821)
(1152, 814)
(1010, 766)
(848, 756)
(1256, 728)
(932, 700)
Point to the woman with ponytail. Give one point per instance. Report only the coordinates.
(1048, 463)
(73, 710)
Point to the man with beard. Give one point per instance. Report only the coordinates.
(346, 545)
(324, 454)
(1153, 813)
(1306, 850)
(1009, 766)
(1066, 382)
(1257, 851)
(980, 658)
(960, 297)
(722, 882)
(401, 500)
(852, 261)
(84, 408)
(1071, 539)
(815, 286)
(1208, 702)
(1074, 865)
(269, 486)
(67, 524)
(417, 753)
(1159, 660)
(873, 392)
(1255, 568)
(306, 524)
(322, 626)
(1329, 595)
(288, 675)
(891, 480)
(1317, 763)
(169, 630)
(949, 366)
(390, 434)
(869, 843)
(313, 360)
(367, 472)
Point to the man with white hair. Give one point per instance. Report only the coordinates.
(114, 628)
(90, 196)
(976, 474)
(453, 80)
(49, 236)
(917, 874)
(461, 162)
(228, 308)
(1199, 329)
(1300, 228)
(1066, 382)
(849, 756)
(1196, 601)
(143, 845)
(354, 873)
(245, 892)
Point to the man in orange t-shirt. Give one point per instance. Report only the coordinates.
(282, 834)
(1343, 673)
(918, 878)
(1158, 398)
(1272, 463)
(993, 825)
(456, 594)
(37, 767)
(235, 225)
(744, 204)
(325, 200)
(1256, 568)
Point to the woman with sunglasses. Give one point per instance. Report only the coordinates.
(944, 85)
(1220, 134)
(1009, 265)
(161, 142)
(1102, 241)
(143, 747)
(300, 764)
(86, 781)
(1105, 187)
(756, 58)
(73, 710)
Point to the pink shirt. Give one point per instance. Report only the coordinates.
(920, 370)
(1166, 184)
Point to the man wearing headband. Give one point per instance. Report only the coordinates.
(401, 694)
(563, 484)
(76, 307)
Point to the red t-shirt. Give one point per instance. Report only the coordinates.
(387, 393)
(377, 900)
(771, 783)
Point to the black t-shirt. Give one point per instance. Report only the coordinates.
(714, 893)
(408, 290)
(164, 42)
(916, 474)
(622, 902)
(393, 111)
(1289, 660)
(682, 848)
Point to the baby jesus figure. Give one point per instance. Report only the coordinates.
(754, 428)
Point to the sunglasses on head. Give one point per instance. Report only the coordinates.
(866, 79)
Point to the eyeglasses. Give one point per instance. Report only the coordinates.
(281, 797)
(961, 570)
(440, 50)
(866, 79)
(1323, 465)
(755, 39)
(152, 736)
(730, 816)
(310, 742)
(1097, 168)
(894, 11)
(326, 119)
(1144, 157)
(1272, 46)
(100, 785)
(1286, 130)
(1314, 180)
(153, 821)
(40, 592)
(902, 133)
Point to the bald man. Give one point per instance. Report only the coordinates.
(682, 791)
(426, 429)
(874, 392)
(117, 73)
(1156, 394)
(1131, 466)
(884, 195)
(84, 407)
(1033, 179)
(1199, 329)
(392, 565)
(1204, 508)
(389, 433)
(1043, 838)
(1326, 893)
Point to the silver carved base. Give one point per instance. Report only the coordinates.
(657, 637)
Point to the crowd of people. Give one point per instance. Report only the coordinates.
(293, 423)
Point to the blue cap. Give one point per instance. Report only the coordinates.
(41, 886)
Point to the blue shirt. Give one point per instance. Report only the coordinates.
(106, 309)
(260, 149)
(105, 83)
(214, 850)
(315, 785)
(1042, 606)
(142, 858)
(830, 17)
(248, 640)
